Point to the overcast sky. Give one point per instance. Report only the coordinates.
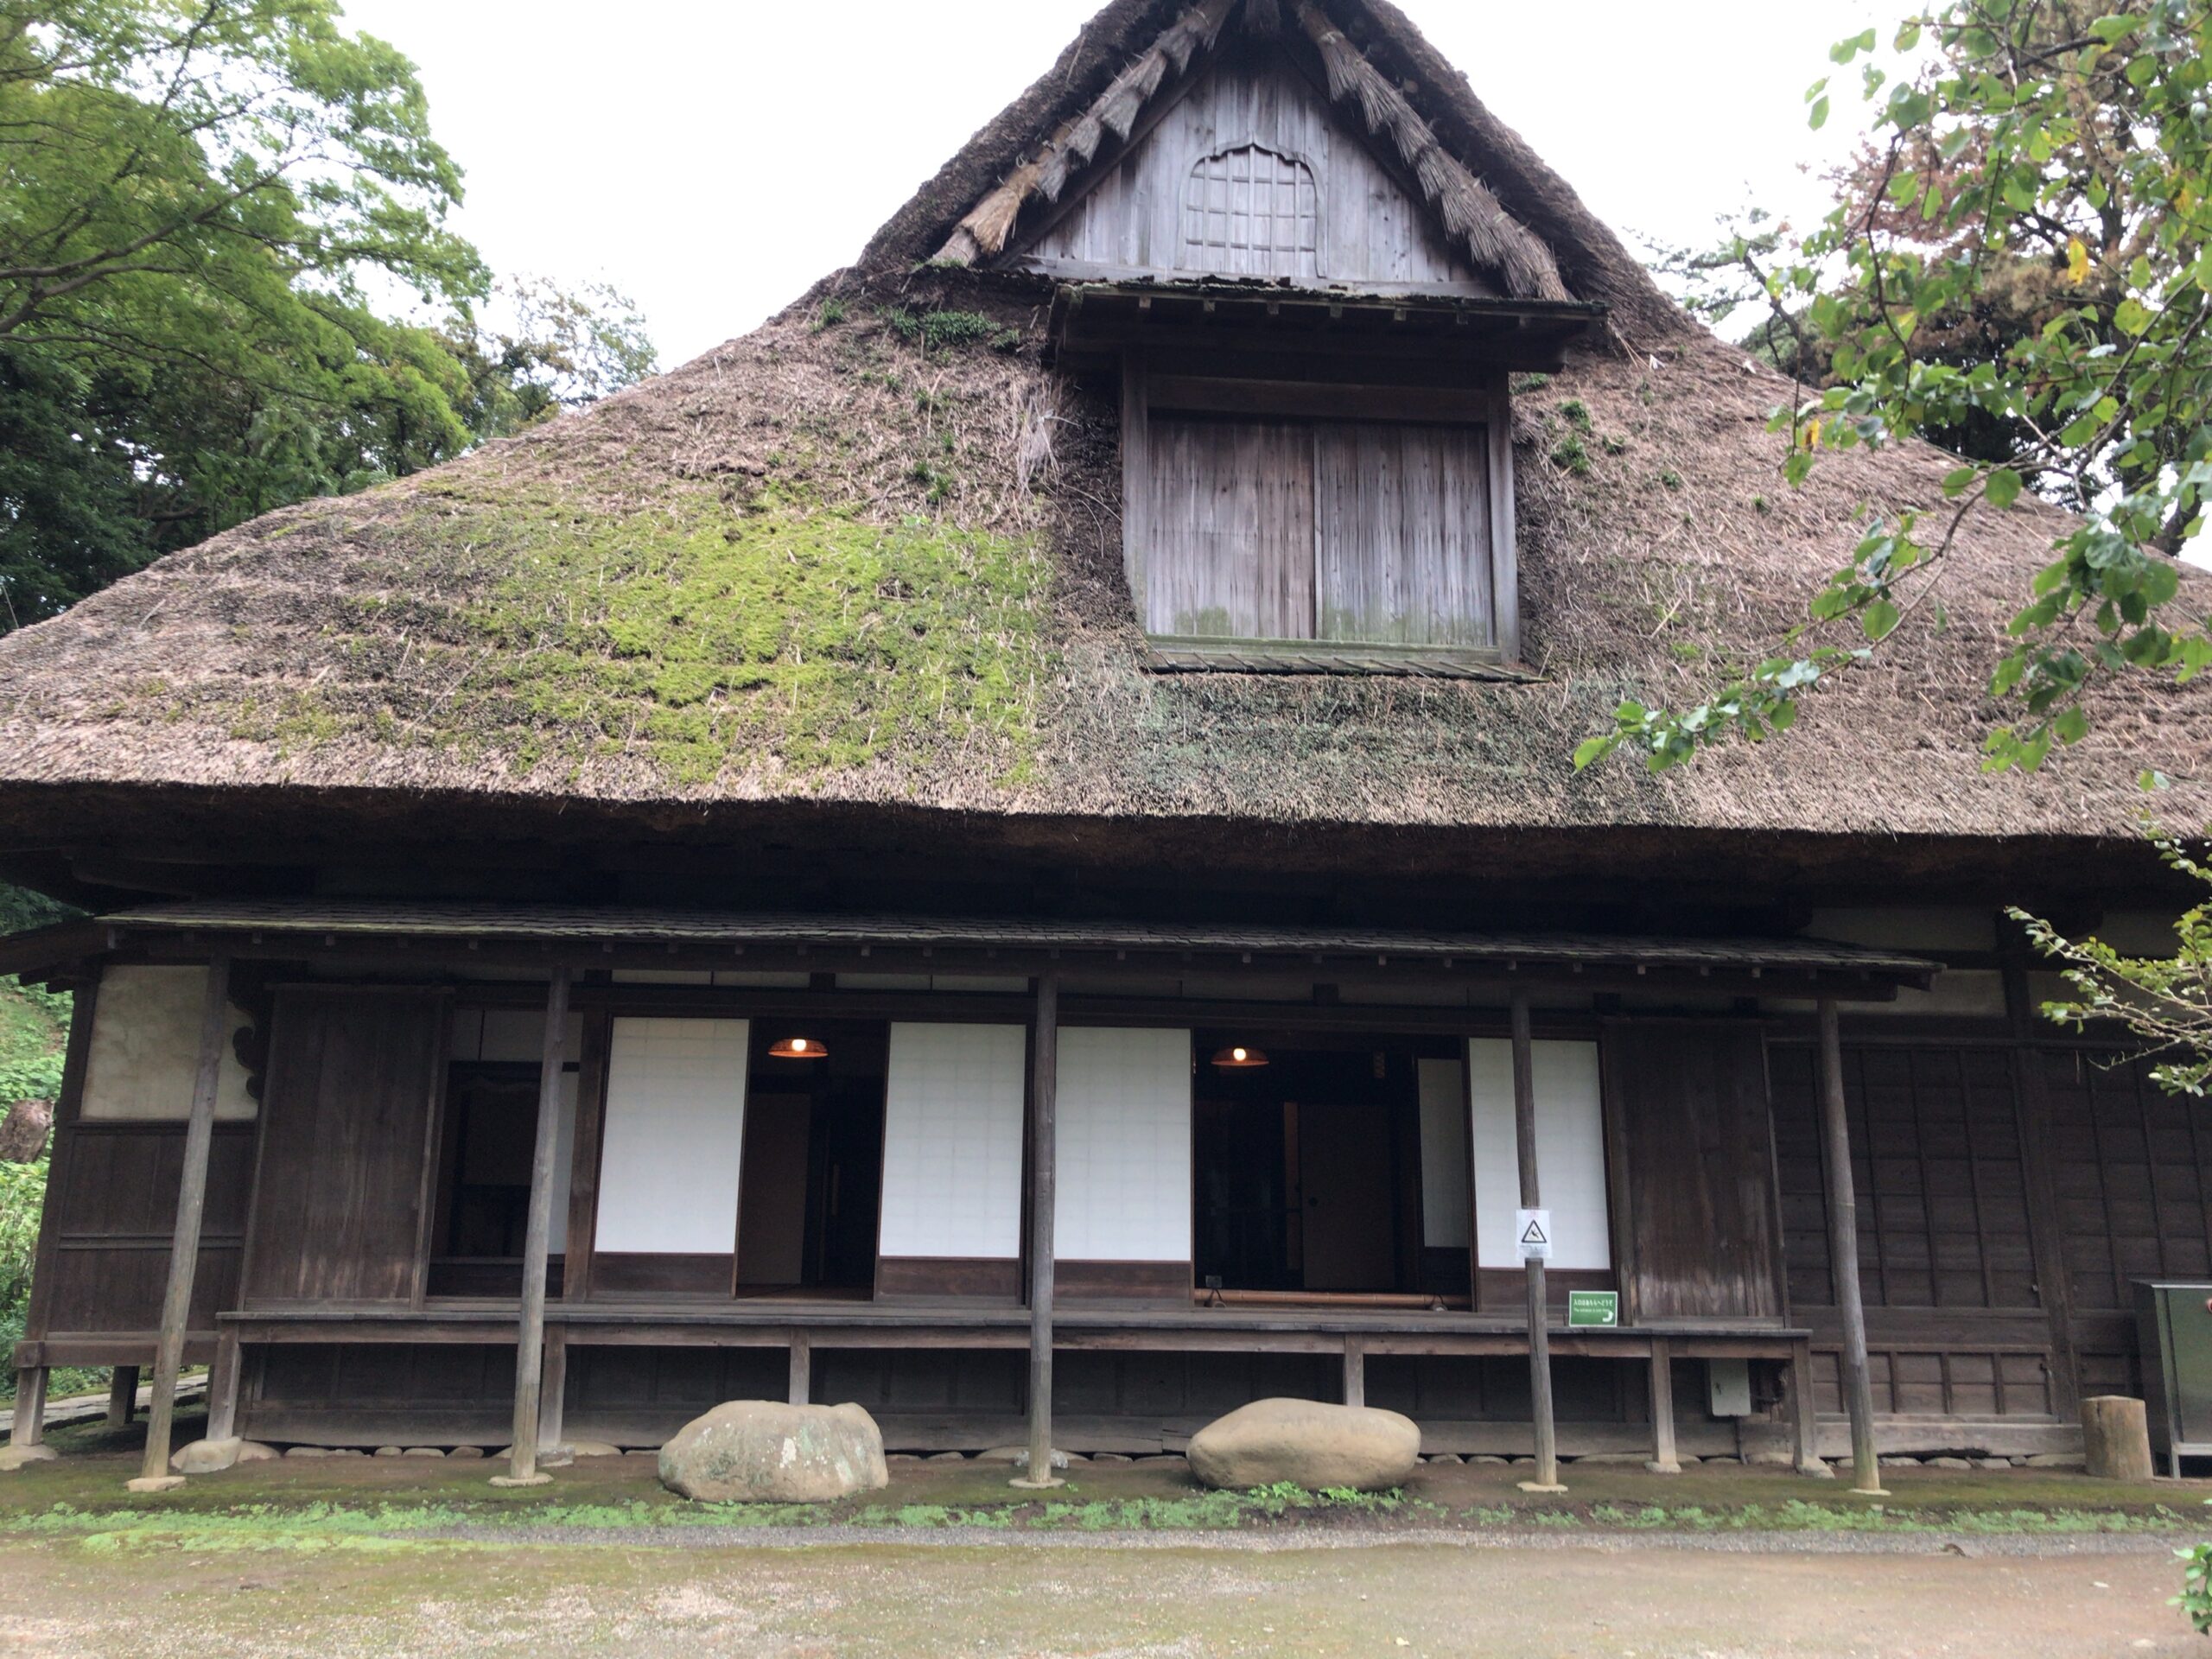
(712, 160)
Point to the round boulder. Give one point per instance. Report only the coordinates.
(1306, 1443)
(763, 1452)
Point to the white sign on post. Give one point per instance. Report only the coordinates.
(1532, 1231)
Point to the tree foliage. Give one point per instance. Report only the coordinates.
(2017, 267)
(216, 217)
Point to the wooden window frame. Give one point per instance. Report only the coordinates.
(1487, 401)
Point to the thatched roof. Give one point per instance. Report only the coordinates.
(867, 557)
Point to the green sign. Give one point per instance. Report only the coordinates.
(1587, 1308)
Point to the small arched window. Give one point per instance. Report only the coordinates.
(1252, 212)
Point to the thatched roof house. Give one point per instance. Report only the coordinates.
(870, 554)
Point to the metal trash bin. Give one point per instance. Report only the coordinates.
(2174, 1323)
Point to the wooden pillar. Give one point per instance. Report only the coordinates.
(1540, 1341)
(553, 1402)
(1843, 1253)
(1044, 1091)
(802, 1388)
(191, 1205)
(1355, 1371)
(529, 1342)
(1804, 1417)
(2032, 1114)
(1665, 1460)
(223, 1387)
(30, 1407)
(123, 1397)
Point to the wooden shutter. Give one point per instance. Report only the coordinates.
(337, 1198)
(1230, 520)
(1403, 535)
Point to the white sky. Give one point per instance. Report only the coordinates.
(712, 160)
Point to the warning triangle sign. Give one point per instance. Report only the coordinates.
(1533, 1233)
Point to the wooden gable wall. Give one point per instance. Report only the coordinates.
(1249, 175)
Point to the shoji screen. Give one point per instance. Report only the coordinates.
(1444, 1155)
(675, 1131)
(1123, 1133)
(952, 1141)
(1570, 1153)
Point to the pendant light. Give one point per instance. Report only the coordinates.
(798, 1048)
(1239, 1057)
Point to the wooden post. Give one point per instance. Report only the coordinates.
(1355, 1371)
(223, 1387)
(1804, 1420)
(1540, 1341)
(1665, 1460)
(1843, 1256)
(30, 1407)
(184, 1244)
(530, 1342)
(2116, 1439)
(801, 1382)
(123, 1397)
(553, 1402)
(1044, 1091)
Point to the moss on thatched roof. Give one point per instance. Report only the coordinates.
(871, 554)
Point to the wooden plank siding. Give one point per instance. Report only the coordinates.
(338, 1210)
(1248, 174)
(1230, 507)
(1687, 1106)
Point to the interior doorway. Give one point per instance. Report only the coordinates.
(1306, 1168)
(812, 1177)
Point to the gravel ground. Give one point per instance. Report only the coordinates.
(1621, 1598)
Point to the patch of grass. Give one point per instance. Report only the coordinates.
(829, 313)
(1576, 413)
(941, 331)
(1570, 455)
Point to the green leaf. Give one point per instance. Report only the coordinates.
(1819, 117)
(1594, 750)
(2071, 727)
(2133, 317)
(1957, 483)
(1880, 620)
(2005, 487)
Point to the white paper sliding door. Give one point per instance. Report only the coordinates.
(1123, 1134)
(952, 1141)
(673, 1136)
(1443, 1156)
(1570, 1153)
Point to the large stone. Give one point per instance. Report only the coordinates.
(765, 1452)
(1308, 1444)
(206, 1456)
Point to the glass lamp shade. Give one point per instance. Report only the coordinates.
(1239, 1058)
(798, 1048)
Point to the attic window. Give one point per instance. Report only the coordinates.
(1252, 212)
(1296, 525)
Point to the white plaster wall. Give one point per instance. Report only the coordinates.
(1570, 1153)
(1123, 1139)
(1443, 1154)
(144, 1055)
(674, 1138)
(952, 1140)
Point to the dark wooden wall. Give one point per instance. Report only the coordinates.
(339, 1196)
(1694, 1170)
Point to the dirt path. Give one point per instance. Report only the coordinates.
(1635, 1601)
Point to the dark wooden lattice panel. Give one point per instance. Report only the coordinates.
(1937, 1170)
(1252, 212)
(2132, 1164)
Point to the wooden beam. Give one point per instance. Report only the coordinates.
(223, 1385)
(123, 1397)
(530, 1351)
(1044, 1093)
(1804, 1415)
(1843, 1254)
(191, 1207)
(1355, 1371)
(1539, 1358)
(1664, 1458)
(2033, 1116)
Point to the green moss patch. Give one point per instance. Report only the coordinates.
(721, 639)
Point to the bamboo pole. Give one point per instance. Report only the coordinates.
(1843, 1256)
(1044, 1093)
(530, 1347)
(184, 1243)
(1540, 1341)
